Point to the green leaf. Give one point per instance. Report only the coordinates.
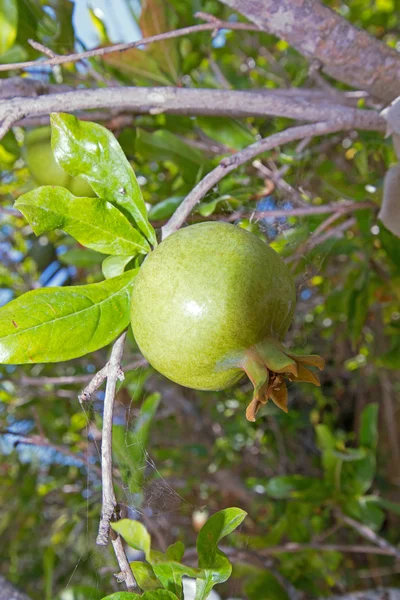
(369, 426)
(175, 551)
(391, 506)
(8, 24)
(93, 222)
(265, 587)
(90, 150)
(123, 596)
(358, 304)
(156, 595)
(163, 145)
(56, 324)
(145, 576)
(366, 510)
(213, 561)
(154, 19)
(80, 592)
(170, 574)
(165, 208)
(129, 447)
(138, 63)
(135, 534)
(232, 134)
(81, 257)
(113, 266)
(391, 244)
(295, 486)
(159, 595)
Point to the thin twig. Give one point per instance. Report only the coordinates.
(345, 548)
(113, 372)
(94, 384)
(367, 533)
(74, 379)
(213, 24)
(44, 49)
(9, 121)
(109, 500)
(239, 158)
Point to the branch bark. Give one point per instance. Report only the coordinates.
(9, 592)
(371, 536)
(190, 102)
(346, 52)
(378, 594)
(114, 373)
(213, 24)
(239, 158)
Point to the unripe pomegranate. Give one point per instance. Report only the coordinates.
(44, 168)
(213, 301)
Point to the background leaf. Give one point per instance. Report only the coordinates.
(8, 24)
(129, 446)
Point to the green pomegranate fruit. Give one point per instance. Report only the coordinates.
(213, 302)
(44, 167)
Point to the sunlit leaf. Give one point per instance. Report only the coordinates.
(135, 534)
(112, 266)
(215, 565)
(57, 324)
(93, 222)
(90, 150)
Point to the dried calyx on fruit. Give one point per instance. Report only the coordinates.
(213, 302)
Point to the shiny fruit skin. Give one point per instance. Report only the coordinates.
(206, 294)
(44, 167)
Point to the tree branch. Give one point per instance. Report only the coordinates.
(9, 592)
(239, 158)
(213, 25)
(114, 373)
(190, 102)
(371, 536)
(346, 52)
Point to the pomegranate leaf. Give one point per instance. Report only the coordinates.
(93, 222)
(57, 324)
(90, 150)
(215, 565)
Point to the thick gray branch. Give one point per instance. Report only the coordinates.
(190, 102)
(346, 52)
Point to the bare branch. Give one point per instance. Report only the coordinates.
(113, 373)
(94, 384)
(345, 548)
(191, 102)
(213, 24)
(229, 164)
(378, 594)
(346, 52)
(74, 379)
(371, 536)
